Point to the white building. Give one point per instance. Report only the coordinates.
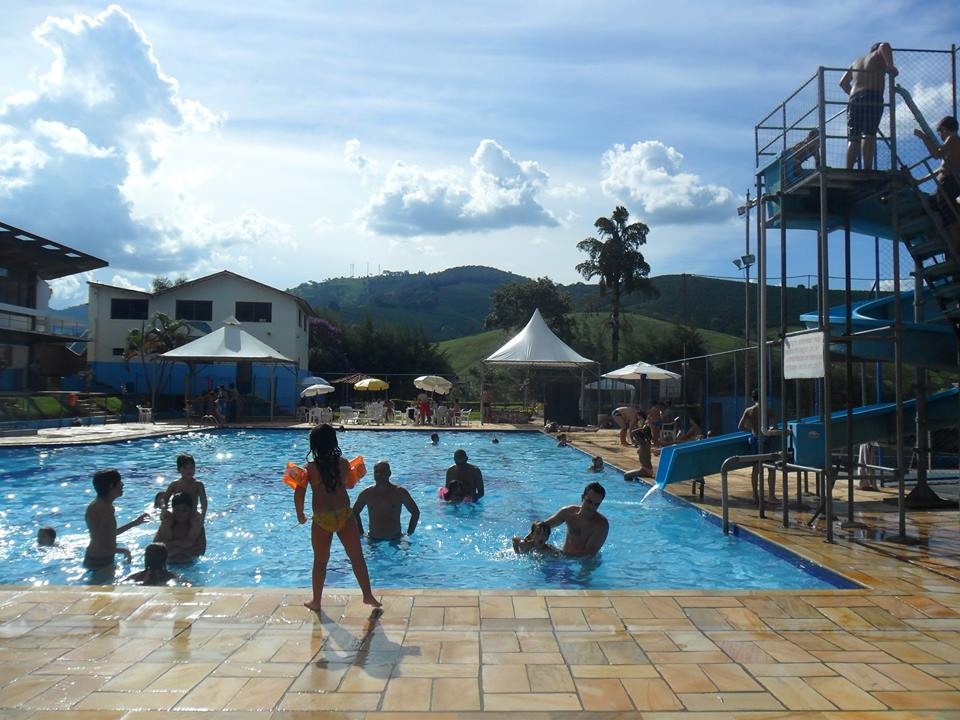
(276, 318)
(33, 345)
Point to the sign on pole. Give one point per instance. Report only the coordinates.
(803, 356)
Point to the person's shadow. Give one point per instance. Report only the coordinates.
(369, 648)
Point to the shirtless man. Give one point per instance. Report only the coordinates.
(586, 528)
(102, 521)
(655, 421)
(947, 175)
(864, 82)
(464, 481)
(628, 419)
(750, 422)
(383, 502)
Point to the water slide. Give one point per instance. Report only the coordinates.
(691, 460)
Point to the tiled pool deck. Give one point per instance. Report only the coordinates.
(890, 650)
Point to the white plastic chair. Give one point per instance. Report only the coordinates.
(144, 414)
(326, 415)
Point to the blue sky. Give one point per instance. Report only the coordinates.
(297, 141)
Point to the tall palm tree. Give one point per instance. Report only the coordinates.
(616, 259)
(159, 335)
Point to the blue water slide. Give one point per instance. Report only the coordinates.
(695, 459)
(691, 460)
(930, 344)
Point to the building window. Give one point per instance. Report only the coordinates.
(195, 310)
(18, 287)
(128, 309)
(254, 311)
(118, 351)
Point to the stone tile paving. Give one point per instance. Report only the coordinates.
(890, 650)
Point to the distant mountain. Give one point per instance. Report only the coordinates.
(453, 303)
(446, 304)
(74, 312)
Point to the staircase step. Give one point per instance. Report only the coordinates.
(947, 293)
(940, 270)
(927, 248)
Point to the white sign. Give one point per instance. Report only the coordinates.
(803, 356)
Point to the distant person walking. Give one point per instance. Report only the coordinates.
(864, 82)
(944, 201)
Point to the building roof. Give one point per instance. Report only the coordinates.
(25, 250)
(538, 345)
(304, 305)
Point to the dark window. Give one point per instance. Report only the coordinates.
(118, 351)
(254, 312)
(18, 287)
(128, 309)
(195, 310)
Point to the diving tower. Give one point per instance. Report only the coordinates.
(803, 184)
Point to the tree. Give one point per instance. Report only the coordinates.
(162, 282)
(157, 336)
(616, 259)
(512, 305)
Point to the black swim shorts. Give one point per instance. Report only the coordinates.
(864, 111)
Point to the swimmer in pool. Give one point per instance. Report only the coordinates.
(46, 537)
(327, 474)
(464, 480)
(596, 465)
(155, 570)
(102, 521)
(536, 541)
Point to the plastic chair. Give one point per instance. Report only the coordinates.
(144, 414)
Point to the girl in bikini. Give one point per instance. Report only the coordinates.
(327, 475)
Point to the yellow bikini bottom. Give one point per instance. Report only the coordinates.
(333, 520)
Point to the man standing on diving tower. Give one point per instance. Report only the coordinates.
(864, 82)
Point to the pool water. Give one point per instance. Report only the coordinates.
(253, 537)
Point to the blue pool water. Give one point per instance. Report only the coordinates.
(253, 538)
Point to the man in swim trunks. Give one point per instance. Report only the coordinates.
(627, 419)
(864, 82)
(383, 502)
(463, 480)
(750, 422)
(586, 528)
(102, 521)
(947, 175)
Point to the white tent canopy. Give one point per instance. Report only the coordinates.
(228, 344)
(640, 370)
(537, 345)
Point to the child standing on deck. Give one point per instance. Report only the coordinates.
(188, 483)
(327, 476)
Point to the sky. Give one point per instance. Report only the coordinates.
(299, 141)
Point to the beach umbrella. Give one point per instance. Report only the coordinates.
(312, 380)
(371, 384)
(433, 383)
(640, 370)
(317, 389)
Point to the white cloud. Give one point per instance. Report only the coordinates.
(355, 160)
(97, 126)
(501, 193)
(649, 173)
(124, 281)
(567, 191)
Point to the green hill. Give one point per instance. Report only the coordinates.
(453, 303)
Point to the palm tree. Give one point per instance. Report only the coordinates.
(159, 335)
(618, 262)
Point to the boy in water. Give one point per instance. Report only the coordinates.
(181, 529)
(46, 537)
(188, 483)
(596, 465)
(155, 568)
(535, 540)
(102, 521)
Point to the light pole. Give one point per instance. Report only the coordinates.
(743, 263)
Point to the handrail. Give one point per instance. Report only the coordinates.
(743, 460)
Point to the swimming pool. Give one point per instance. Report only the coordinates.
(253, 537)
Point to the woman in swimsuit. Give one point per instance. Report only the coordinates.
(327, 475)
